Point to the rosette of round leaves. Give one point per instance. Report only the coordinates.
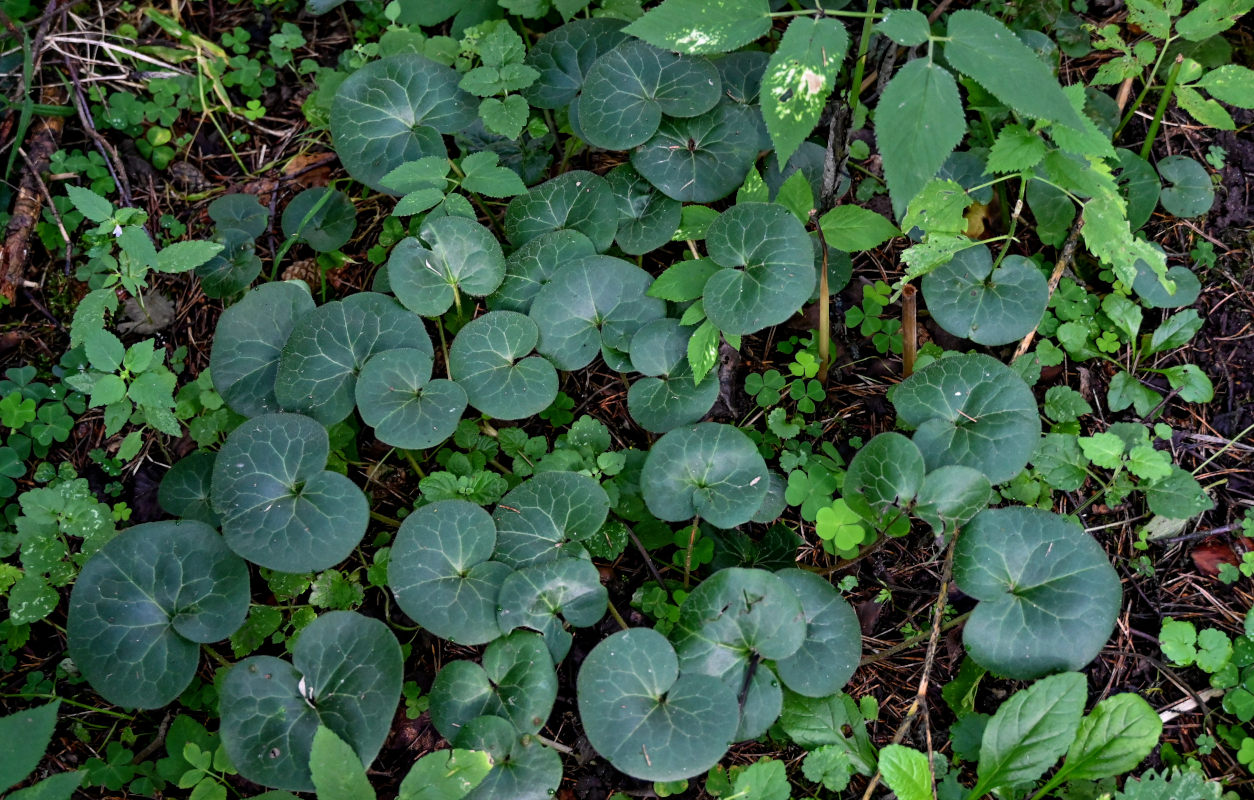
(628, 90)
(971, 410)
(646, 218)
(730, 623)
(1048, 596)
(545, 518)
(591, 305)
(646, 717)
(455, 255)
(517, 683)
(248, 343)
(563, 57)
(185, 492)
(704, 158)
(971, 299)
(530, 268)
(321, 217)
(328, 346)
(522, 767)
(577, 200)
(667, 398)
(345, 674)
(543, 596)
(441, 573)
(280, 508)
(489, 360)
(832, 647)
(396, 397)
(145, 602)
(394, 110)
(709, 470)
(768, 268)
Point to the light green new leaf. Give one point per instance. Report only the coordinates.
(546, 517)
(1016, 149)
(1113, 739)
(703, 26)
(1232, 84)
(1030, 731)
(683, 281)
(182, 256)
(853, 228)
(336, 770)
(905, 26)
(489, 360)
(445, 775)
(907, 772)
(89, 204)
(918, 122)
(703, 348)
(1211, 17)
(711, 470)
(798, 79)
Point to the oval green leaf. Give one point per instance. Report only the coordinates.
(455, 255)
(1189, 192)
(710, 470)
(546, 516)
(541, 596)
(883, 478)
(970, 299)
(248, 343)
(701, 159)
(322, 218)
(487, 360)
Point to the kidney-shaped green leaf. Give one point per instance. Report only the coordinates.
(392, 111)
(950, 496)
(1189, 191)
(969, 298)
(280, 508)
(627, 90)
(883, 477)
(1048, 595)
(184, 490)
(668, 398)
(833, 640)
(593, 302)
(248, 342)
(701, 159)
(646, 218)
(971, 410)
(768, 268)
(405, 408)
(241, 212)
(489, 360)
(529, 268)
(577, 200)
(318, 368)
(523, 768)
(537, 595)
(644, 717)
(1150, 289)
(345, 674)
(144, 602)
(563, 57)
(456, 255)
(711, 470)
(440, 572)
(321, 217)
(516, 682)
(546, 516)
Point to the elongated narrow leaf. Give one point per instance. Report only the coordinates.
(27, 734)
(1113, 739)
(336, 771)
(703, 26)
(918, 123)
(1031, 730)
(799, 78)
(907, 772)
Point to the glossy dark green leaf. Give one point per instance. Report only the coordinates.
(646, 218)
(406, 409)
(321, 217)
(516, 683)
(663, 404)
(546, 516)
(1189, 191)
(590, 302)
(1114, 738)
(970, 299)
(241, 212)
(708, 470)
(184, 490)
(529, 268)
(523, 767)
(950, 496)
(701, 159)
(630, 88)
(489, 360)
(1048, 595)
(971, 410)
(577, 200)
(833, 641)
(563, 57)
(768, 268)
(233, 269)
(248, 343)
(883, 478)
(543, 596)
(644, 717)
(454, 255)
(441, 574)
(318, 368)
(345, 674)
(280, 507)
(144, 602)
(392, 111)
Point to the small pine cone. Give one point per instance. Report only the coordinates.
(306, 271)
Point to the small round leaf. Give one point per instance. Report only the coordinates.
(546, 516)
(530, 268)
(459, 255)
(1150, 289)
(240, 212)
(969, 298)
(322, 218)
(1189, 192)
(248, 343)
(950, 496)
(405, 408)
(711, 470)
(522, 769)
(516, 682)
(883, 477)
(487, 360)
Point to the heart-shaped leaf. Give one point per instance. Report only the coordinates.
(280, 508)
(406, 409)
(709, 470)
(392, 111)
(668, 398)
(459, 255)
(1150, 289)
(1189, 192)
(144, 602)
(628, 89)
(950, 496)
(318, 368)
(563, 57)
(646, 218)
(971, 410)
(516, 682)
(184, 490)
(240, 212)
(546, 516)
(231, 271)
(593, 302)
(440, 572)
(577, 200)
(530, 268)
(537, 595)
(489, 360)
(248, 342)
(833, 640)
(644, 717)
(969, 298)
(732, 620)
(1140, 185)
(768, 268)
(883, 478)
(523, 768)
(322, 218)
(701, 159)
(1048, 595)
(345, 674)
